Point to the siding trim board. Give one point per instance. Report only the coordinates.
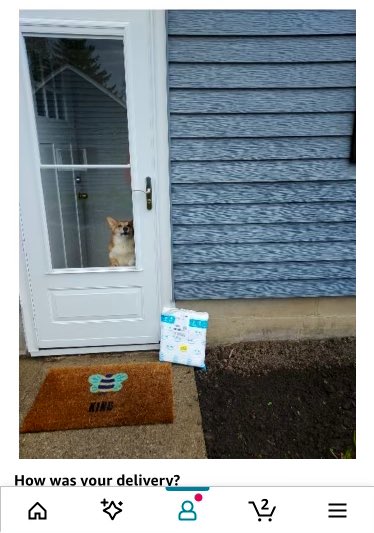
(261, 171)
(264, 213)
(250, 193)
(264, 289)
(250, 233)
(261, 125)
(339, 99)
(252, 76)
(234, 149)
(262, 22)
(261, 116)
(250, 49)
(263, 252)
(265, 271)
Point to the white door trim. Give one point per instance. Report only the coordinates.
(160, 182)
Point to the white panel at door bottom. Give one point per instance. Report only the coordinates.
(101, 303)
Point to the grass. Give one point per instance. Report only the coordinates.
(349, 453)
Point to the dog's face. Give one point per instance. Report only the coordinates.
(121, 228)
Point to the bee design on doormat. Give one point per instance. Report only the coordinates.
(107, 383)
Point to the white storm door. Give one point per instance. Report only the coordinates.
(86, 148)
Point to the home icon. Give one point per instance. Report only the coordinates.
(37, 512)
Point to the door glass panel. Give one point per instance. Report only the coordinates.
(77, 204)
(79, 93)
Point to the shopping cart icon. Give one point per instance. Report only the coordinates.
(264, 511)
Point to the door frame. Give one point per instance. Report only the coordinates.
(161, 184)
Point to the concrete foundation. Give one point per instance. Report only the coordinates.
(277, 319)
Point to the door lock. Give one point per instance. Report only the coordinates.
(82, 196)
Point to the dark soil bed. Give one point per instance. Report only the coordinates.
(279, 399)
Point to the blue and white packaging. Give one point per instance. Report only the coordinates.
(183, 336)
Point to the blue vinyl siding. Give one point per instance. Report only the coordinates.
(262, 22)
(261, 116)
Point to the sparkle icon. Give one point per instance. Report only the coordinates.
(111, 508)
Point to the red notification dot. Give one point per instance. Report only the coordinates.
(198, 497)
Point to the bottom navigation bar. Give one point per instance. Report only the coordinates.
(198, 509)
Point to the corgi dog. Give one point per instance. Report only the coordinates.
(122, 244)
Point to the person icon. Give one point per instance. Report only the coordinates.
(187, 512)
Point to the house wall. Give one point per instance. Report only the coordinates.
(261, 117)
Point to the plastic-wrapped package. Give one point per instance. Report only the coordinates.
(183, 336)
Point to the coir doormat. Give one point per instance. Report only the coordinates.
(102, 395)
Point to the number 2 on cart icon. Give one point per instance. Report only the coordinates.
(263, 511)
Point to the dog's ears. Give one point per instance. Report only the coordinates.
(112, 222)
(131, 223)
